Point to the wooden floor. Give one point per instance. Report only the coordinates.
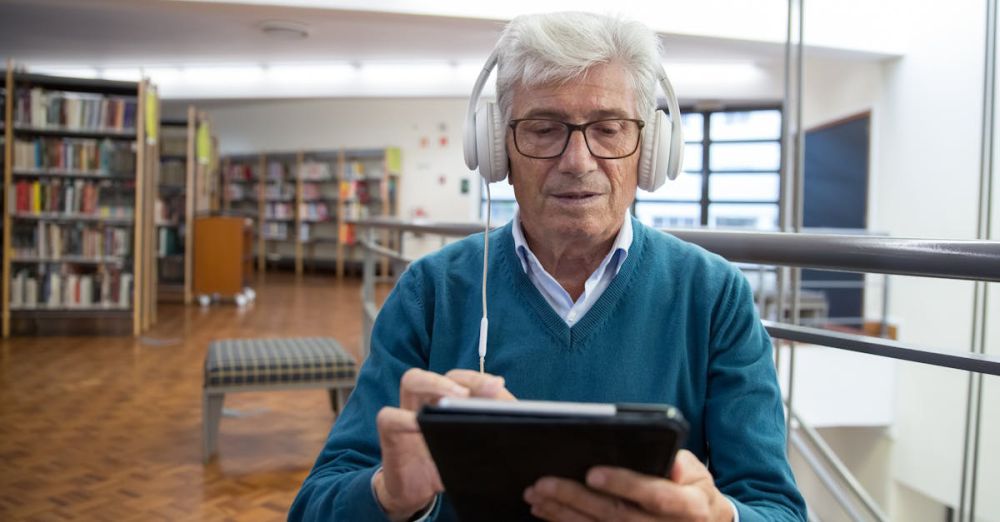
(104, 428)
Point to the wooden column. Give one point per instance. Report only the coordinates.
(8, 183)
(190, 191)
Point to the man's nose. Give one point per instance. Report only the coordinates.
(577, 159)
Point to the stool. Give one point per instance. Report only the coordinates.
(242, 365)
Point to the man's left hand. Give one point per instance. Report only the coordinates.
(621, 494)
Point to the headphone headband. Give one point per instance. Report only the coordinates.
(484, 135)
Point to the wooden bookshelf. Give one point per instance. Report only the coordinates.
(80, 164)
(369, 185)
(319, 183)
(279, 226)
(174, 210)
(329, 187)
(243, 195)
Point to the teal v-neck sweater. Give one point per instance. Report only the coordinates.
(677, 325)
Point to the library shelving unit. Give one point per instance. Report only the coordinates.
(369, 184)
(280, 195)
(80, 158)
(317, 226)
(174, 209)
(322, 188)
(241, 193)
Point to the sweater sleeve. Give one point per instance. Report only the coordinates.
(744, 418)
(339, 485)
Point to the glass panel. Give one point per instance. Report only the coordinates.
(687, 186)
(749, 125)
(745, 156)
(693, 124)
(743, 187)
(759, 217)
(692, 157)
(669, 215)
(988, 503)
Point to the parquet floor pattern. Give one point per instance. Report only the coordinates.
(109, 428)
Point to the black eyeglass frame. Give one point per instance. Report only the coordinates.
(583, 130)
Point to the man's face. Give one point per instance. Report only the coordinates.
(575, 195)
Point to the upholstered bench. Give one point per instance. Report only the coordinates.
(241, 365)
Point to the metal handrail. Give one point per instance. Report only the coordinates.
(974, 260)
(828, 481)
(838, 467)
(968, 361)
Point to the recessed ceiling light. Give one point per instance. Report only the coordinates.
(284, 29)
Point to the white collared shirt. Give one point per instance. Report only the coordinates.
(557, 297)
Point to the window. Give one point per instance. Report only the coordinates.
(729, 179)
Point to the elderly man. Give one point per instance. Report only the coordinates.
(586, 304)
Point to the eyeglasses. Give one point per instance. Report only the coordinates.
(605, 139)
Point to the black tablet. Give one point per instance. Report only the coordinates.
(488, 452)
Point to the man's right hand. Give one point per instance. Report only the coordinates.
(409, 479)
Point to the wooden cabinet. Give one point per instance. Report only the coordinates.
(223, 255)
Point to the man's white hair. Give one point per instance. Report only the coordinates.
(556, 47)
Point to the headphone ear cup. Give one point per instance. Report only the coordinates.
(656, 152)
(675, 150)
(490, 143)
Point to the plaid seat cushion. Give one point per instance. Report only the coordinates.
(236, 362)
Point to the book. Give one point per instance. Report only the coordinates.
(72, 296)
(125, 290)
(54, 292)
(17, 290)
(86, 293)
(105, 298)
(30, 292)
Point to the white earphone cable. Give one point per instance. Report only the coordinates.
(484, 324)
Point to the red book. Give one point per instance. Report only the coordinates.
(23, 196)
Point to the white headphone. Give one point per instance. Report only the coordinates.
(484, 144)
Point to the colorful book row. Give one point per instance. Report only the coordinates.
(75, 154)
(95, 198)
(51, 289)
(73, 111)
(55, 241)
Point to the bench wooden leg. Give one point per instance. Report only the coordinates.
(211, 414)
(338, 398)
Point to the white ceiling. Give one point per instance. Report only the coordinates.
(155, 31)
(170, 33)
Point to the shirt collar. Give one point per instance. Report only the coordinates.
(622, 243)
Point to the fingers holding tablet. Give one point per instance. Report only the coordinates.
(421, 387)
